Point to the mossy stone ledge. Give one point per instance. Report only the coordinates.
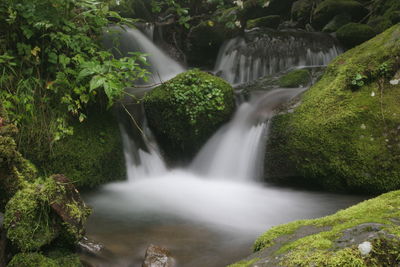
(43, 211)
(335, 240)
(345, 134)
(185, 111)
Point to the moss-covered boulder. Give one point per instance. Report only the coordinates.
(337, 22)
(328, 9)
(185, 111)
(353, 34)
(342, 239)
(43, 211)
(380, 23)
(266, 22)
(301, 11)
(92, 156)
(345, 135)
(14, 169)
(32, 260)
(296, 78)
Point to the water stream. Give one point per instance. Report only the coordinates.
(210, 212)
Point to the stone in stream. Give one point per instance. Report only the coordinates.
(157, 257)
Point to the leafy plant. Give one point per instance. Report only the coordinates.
(52, 64)
(358, 80)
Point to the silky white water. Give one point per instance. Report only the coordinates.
(161, 66)
(209, 212)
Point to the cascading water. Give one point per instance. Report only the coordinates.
(162, 67)
(245, 59)
(236, 151)
(208, 213)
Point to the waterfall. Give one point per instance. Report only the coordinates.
(161, 66)
(245, 59)
(236, 151)
(142, 162)
(218, 202)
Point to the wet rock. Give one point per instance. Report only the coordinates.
(157, 257)
(69, 206)
(90, 247)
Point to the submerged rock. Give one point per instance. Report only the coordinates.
(366, 234)
(157, 257)
(185, 111)
(345, 134)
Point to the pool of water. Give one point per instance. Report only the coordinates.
(201, 221)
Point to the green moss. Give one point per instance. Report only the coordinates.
(90, 157)
(328, 9)
(32, 260)
(295, 79)
(186, 110)
(244, 263)
(344, 137)
(353, 34)
(14, 169)
(268, 22)
(318, 249)
(65, 258)
(36, 215)
(380, 23)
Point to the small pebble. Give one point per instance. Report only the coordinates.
(365, 248)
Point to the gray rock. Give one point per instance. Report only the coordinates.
(157, 257)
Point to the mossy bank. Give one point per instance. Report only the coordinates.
(185, 111)
(345, 135)
(363, 235)
(92, 156)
